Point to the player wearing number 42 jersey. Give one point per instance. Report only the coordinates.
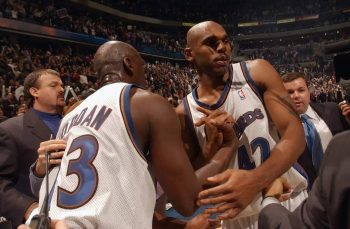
(241, 99)
(252, 92)
(118, 139)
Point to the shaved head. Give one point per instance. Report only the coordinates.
(116, 61)
(208, 48)
(197, 31)
(112, 51)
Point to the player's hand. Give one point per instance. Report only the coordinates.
(218, 131)
(56, 147)
(279, 188)
(345, 110)
(235, 190)
(55, 224)
(202, 221)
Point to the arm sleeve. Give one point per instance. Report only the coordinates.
(35, 182)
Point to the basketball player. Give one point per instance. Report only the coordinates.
(116, 139)
(253, 94)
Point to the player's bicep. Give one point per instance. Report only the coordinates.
(281, 109)
(276, 99)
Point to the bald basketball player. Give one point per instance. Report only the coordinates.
(271, 134)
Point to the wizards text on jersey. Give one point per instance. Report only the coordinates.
(248, 118)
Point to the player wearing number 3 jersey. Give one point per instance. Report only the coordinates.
(110, 166)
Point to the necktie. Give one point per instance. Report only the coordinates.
(313, 141)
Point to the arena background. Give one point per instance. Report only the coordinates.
(63, 35)
(294, 35)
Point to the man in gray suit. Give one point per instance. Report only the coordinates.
(321, 121)
(328, 204)
(20, 138)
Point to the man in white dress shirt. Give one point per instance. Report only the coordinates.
(321, 121)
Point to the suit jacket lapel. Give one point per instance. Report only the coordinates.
(325, 114)
(35, 125)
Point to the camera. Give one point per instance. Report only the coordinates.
(341, 66)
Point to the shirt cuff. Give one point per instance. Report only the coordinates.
(35, 182)
(269, 200)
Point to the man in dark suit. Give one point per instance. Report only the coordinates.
(20, 138)
(326, 119)
(328, 204)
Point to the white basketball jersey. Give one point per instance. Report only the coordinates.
(241, 98)
(103, 180)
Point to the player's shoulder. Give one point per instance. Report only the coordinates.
(149, 101)
(258, 64)
(263, 73)
(143, 94)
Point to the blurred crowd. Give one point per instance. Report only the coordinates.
(229, 13)
(70, 18)
(173, 80)
(170, 80)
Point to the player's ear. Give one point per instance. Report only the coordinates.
(188, 54)
(127, 64)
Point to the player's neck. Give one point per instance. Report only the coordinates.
(210, 82)
(210, 88)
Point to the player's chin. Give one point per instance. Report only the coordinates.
(61, 103)
(220, 70)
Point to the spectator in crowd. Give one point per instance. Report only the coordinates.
(20, 138)
(9, 105)
(320, 121)
(2, 116)
(21, 109)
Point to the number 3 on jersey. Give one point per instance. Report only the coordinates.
(244, 161)
(84, 169)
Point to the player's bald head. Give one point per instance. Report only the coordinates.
(116, 61)
(197, 31)
(112, 51)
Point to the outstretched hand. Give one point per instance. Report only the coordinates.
(235, 190)
(279, 188)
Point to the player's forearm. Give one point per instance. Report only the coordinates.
(282, 157)
(217, 164)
